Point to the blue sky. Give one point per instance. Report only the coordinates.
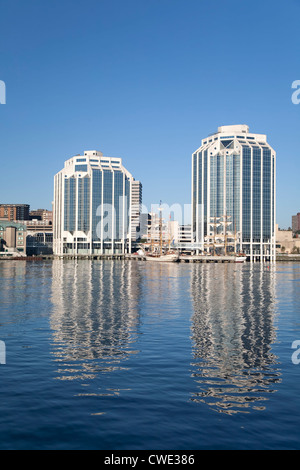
(144, 80)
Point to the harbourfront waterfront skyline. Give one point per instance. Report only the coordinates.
(233, 200)
(169, 95)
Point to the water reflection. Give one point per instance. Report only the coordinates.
(233, 332)
(95, 318)
(96, 321)
(164, 291)
(20, 299)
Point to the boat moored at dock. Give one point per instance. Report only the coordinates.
(164, 258)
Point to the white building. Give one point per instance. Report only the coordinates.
(181, 235)
(234, 186)
(136, 209)
(92, 206)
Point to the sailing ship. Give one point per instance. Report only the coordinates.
(225, 239)
(162, 255)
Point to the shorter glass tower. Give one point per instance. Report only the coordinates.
(92, 206)
(234, 194)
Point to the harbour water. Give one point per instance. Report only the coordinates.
(121, 355)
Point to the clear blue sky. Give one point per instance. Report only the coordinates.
(144, 80)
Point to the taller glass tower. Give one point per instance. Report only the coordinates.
(234, 194)
(92, 206)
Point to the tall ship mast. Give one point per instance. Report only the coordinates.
(163, 253)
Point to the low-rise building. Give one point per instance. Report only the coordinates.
(285, 241)
(43, 215)
(181, 236)
(12, 239)
(39, 237)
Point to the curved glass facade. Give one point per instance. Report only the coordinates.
(92, 207)
(234, 181)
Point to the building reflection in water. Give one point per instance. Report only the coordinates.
(95, 318)
(233, 332)
(20, 299)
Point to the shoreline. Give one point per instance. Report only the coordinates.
(127, 257)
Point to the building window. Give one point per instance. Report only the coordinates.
(81, 168)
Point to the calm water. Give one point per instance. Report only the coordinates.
(130, 355)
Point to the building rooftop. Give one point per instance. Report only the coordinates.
(18, 225)
(241, 128)
(14, 205)
(240, 133)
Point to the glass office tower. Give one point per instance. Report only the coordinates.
(92, 206)
(234, 194)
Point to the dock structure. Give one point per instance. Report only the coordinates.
(211, 259)
(106, 257)
(131, 257)
(134, 257)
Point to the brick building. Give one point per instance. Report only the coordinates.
(13, 212)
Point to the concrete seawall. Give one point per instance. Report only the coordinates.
(118, 257)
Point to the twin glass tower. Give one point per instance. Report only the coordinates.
(92, 206)
(234, 194)
(233, 199)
